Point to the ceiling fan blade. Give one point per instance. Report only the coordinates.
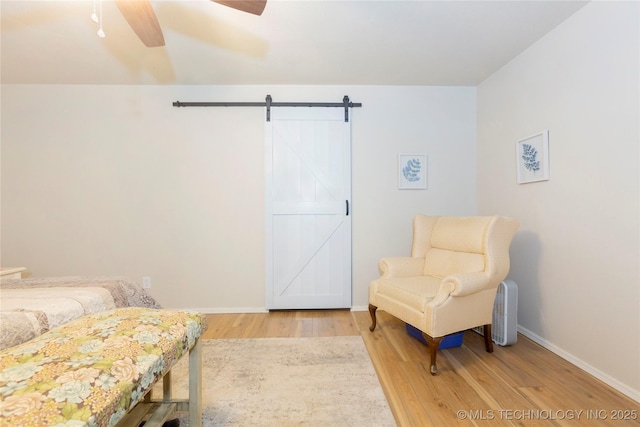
(142, 20)
(250, 6)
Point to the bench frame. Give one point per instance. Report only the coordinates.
(161, 410)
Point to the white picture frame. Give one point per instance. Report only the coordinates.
(532, 158)
(412, 171)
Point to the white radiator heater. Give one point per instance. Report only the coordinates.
(504, 327)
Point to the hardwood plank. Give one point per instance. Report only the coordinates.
(303, 325)
(503, 360)
(493, 392)
(438, 404)
(280, 325)
(345, 324)
(323, 326)
(220, 327)
(399, 394)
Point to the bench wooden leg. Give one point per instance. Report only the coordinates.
(195, 385)
(166, 387)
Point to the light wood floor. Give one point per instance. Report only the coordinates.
(519, 385)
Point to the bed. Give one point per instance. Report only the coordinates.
(33, 306)
(64, 342)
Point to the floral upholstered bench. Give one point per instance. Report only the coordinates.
(97, 371)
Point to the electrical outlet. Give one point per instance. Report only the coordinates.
(146, 282)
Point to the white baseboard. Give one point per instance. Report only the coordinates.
(238, 310)
(607, 379)
(230, 310)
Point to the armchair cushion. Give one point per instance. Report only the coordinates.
(442, 262)
(462, 234)
(414, 292)
(457, 244)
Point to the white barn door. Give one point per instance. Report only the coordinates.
(308, 223)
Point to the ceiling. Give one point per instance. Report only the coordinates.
(306, 42)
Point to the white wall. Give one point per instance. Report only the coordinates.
(114, 180)
(576, 256)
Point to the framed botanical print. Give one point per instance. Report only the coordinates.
(532, 157)
(412, 171)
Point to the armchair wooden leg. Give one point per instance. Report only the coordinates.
(372, 312)
(433, 343)
(488, 341)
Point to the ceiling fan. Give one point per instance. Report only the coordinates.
(143, 21)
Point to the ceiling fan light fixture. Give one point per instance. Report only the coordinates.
(94, 15)
(98, 19)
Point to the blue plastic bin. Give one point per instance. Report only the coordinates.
(449, 341)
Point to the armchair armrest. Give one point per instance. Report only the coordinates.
(401, 267)
(462, 284)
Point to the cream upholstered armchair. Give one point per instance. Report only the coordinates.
(449, 282)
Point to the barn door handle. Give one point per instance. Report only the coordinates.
(347, 203)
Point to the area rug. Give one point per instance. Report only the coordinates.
(287, 382)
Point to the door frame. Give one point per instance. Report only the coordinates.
(322, 115)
